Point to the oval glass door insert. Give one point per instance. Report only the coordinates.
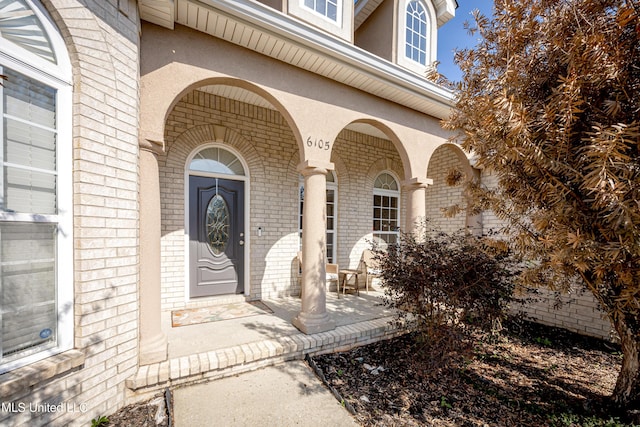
(217, 225)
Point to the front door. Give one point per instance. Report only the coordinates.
(216, 236)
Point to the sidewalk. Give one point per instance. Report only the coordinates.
(283, 395)
(249, 371)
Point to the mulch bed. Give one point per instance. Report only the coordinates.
(152, 413)
(531, 375)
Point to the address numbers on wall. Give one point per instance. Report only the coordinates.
(320, 144)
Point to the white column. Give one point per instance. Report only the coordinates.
(416, 202)
(313, 316)
(153, 342)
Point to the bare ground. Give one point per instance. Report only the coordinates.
(530, 375)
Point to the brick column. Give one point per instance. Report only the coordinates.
(153, 342)
(416, 202)
(313, 316)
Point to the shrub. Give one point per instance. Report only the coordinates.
(441, 283)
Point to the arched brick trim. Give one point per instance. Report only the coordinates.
(440, 195)
(389, 133)
(69, 20)
(381, 165)
(462, 157)
(153, 123)
(172, 167)
(342, 173)
(174, 164)
(184, 144)
(395, 167)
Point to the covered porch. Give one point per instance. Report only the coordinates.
(302, 165)
(247, 343)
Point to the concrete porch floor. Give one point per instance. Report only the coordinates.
(219, 349)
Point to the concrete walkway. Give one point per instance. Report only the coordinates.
(215, 350)
(287, 394)
(249, 371)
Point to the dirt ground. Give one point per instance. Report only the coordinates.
(530, 376)
(151, 413)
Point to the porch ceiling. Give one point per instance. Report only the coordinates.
(262, 29)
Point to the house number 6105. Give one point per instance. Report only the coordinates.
(318, 143)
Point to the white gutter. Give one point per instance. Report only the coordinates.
(284, 27)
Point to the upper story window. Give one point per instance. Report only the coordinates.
(416, 33)
(332, 16)
(36, 235)
(326, 8)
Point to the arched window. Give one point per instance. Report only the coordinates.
(36, 249)
(332, 212)
(417, 35)
(216, 160)
(416, 32)
(386, 208)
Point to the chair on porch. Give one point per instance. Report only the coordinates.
(347, 274)
(367, 268)
(331, 270)
(370, 267)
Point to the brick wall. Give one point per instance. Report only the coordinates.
(359, 159)
(265, 142)
(576, 311)
(440, 195)
(103, 45)
(490, 222)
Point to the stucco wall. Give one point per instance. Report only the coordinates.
(103, 44)
(264, 140)
(375, 35)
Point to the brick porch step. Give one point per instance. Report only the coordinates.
(229, 361)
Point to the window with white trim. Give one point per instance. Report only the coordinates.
(36, 283)
(216, 160)
(386, 208)
(330, 9)
(332, 211)
(416, 35)
(416, 32)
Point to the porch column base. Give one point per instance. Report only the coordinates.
(153, 350)
(314, 323)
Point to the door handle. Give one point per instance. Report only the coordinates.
(241, 242)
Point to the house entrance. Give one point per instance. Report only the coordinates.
(215, 219)
(216, 236)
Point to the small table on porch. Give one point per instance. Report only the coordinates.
(343, 279)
